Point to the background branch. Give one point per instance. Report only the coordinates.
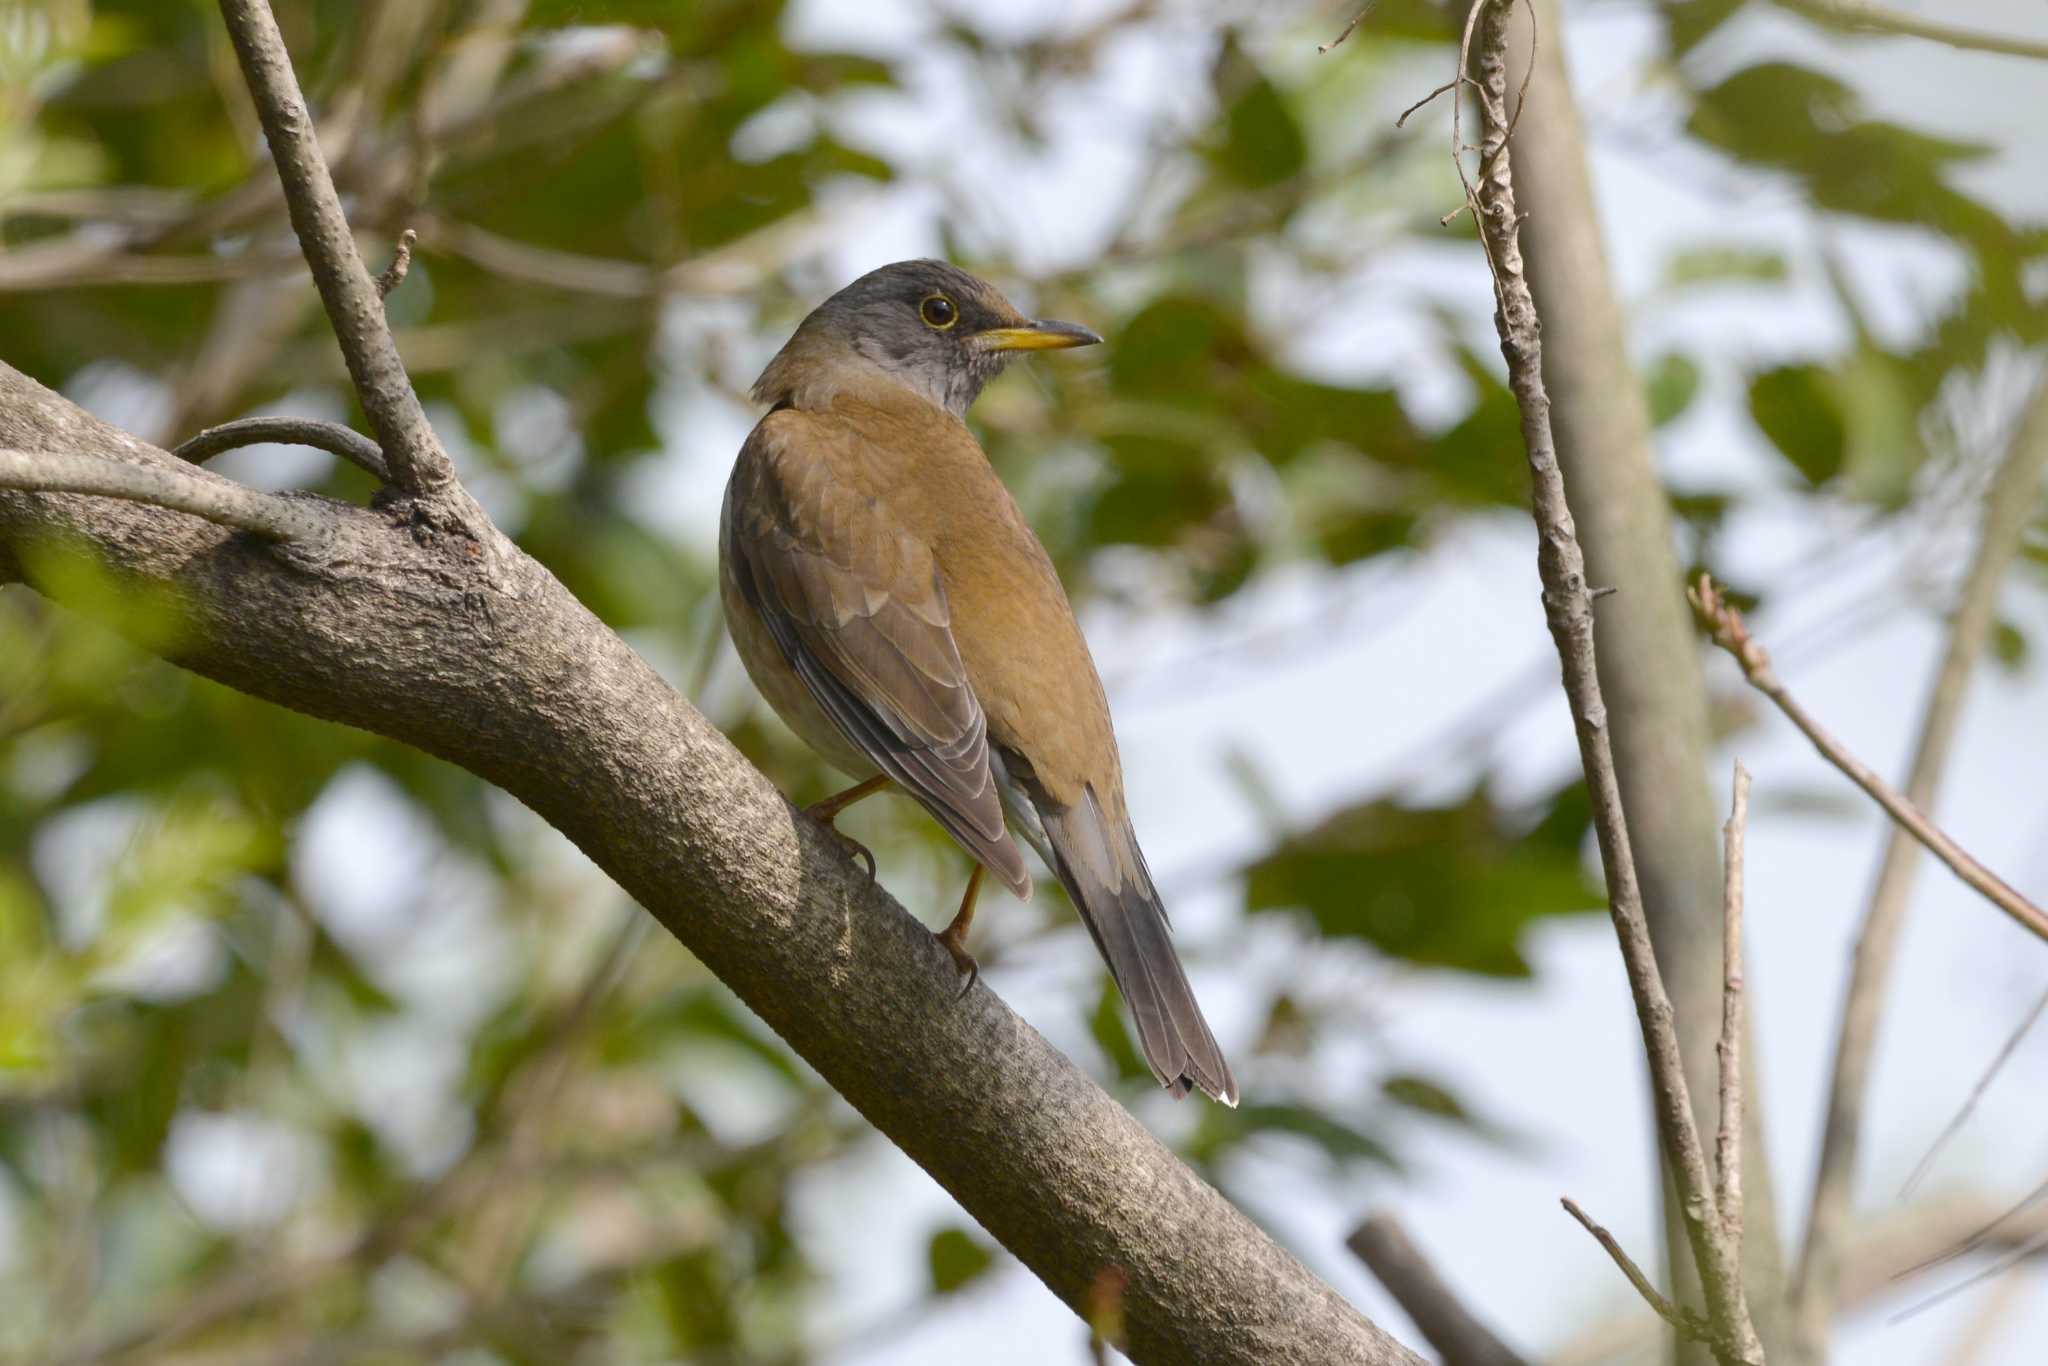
(1456, 1333)
(1858, 16)
(1732, 635)
(2009, 505)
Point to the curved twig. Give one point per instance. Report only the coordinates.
(332, 437)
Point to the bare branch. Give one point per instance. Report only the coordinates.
(1876, 1257)
(64, 262)
(1728, 1140)
(1568, 609)
(1349, 28)
(299, 521)
(418, 462)
(1728, 630)
(1652, 677)
(401, 262)
(1681, 1319)
(1859, 16)
(2009, 505)
(1458, 1336)
(332, 437)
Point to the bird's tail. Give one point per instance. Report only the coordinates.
(1098, 861)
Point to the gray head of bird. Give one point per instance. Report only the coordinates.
(922, 325)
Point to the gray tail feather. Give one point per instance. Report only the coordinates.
(1103, 871)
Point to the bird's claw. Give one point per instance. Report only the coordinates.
(961, 959)
(851, 845)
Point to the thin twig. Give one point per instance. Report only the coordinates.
(2009, 504)
(1456, 1333)
(1962, 1115)
(1728, 1141)
(332, 437)
(1860, 17)
(1356, 20)
(401, 262)
(1728, 630)
(293, 520)
(1568, 611)
(1683, 1320)
(2027, 1250)
(1422, 103)
(418, 462)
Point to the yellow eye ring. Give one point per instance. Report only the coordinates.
(938, 312)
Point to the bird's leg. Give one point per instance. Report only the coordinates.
(827, 811)
(954, 936)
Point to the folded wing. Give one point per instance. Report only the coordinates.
(857, 607)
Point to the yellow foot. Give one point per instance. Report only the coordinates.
(827, 811)
(853, 847)
(954, 936)
(965, 960)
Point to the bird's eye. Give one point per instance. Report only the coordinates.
(937, 311)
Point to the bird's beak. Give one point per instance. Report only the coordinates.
(1043, 335)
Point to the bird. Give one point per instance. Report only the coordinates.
(891, 603)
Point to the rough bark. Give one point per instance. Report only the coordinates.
(1650, 671)
(470, 650)
(1568, 598)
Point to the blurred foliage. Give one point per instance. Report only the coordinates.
(308, 1041)
(1448, 886)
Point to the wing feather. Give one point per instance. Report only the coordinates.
(858, 609)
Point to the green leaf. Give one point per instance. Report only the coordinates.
(1796, 407)
(1674, 381)
(1723, 265)
(2009, 647)
(1421, 1094)
(956, 1260)
(1263, 143)
(1451, 886)
(1223, 1129)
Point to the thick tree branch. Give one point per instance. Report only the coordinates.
(299, 521)
(1651, 673)
(1456, 1333)
(353, 304)
(332, 437)
(476, 654)
(1568, 608)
